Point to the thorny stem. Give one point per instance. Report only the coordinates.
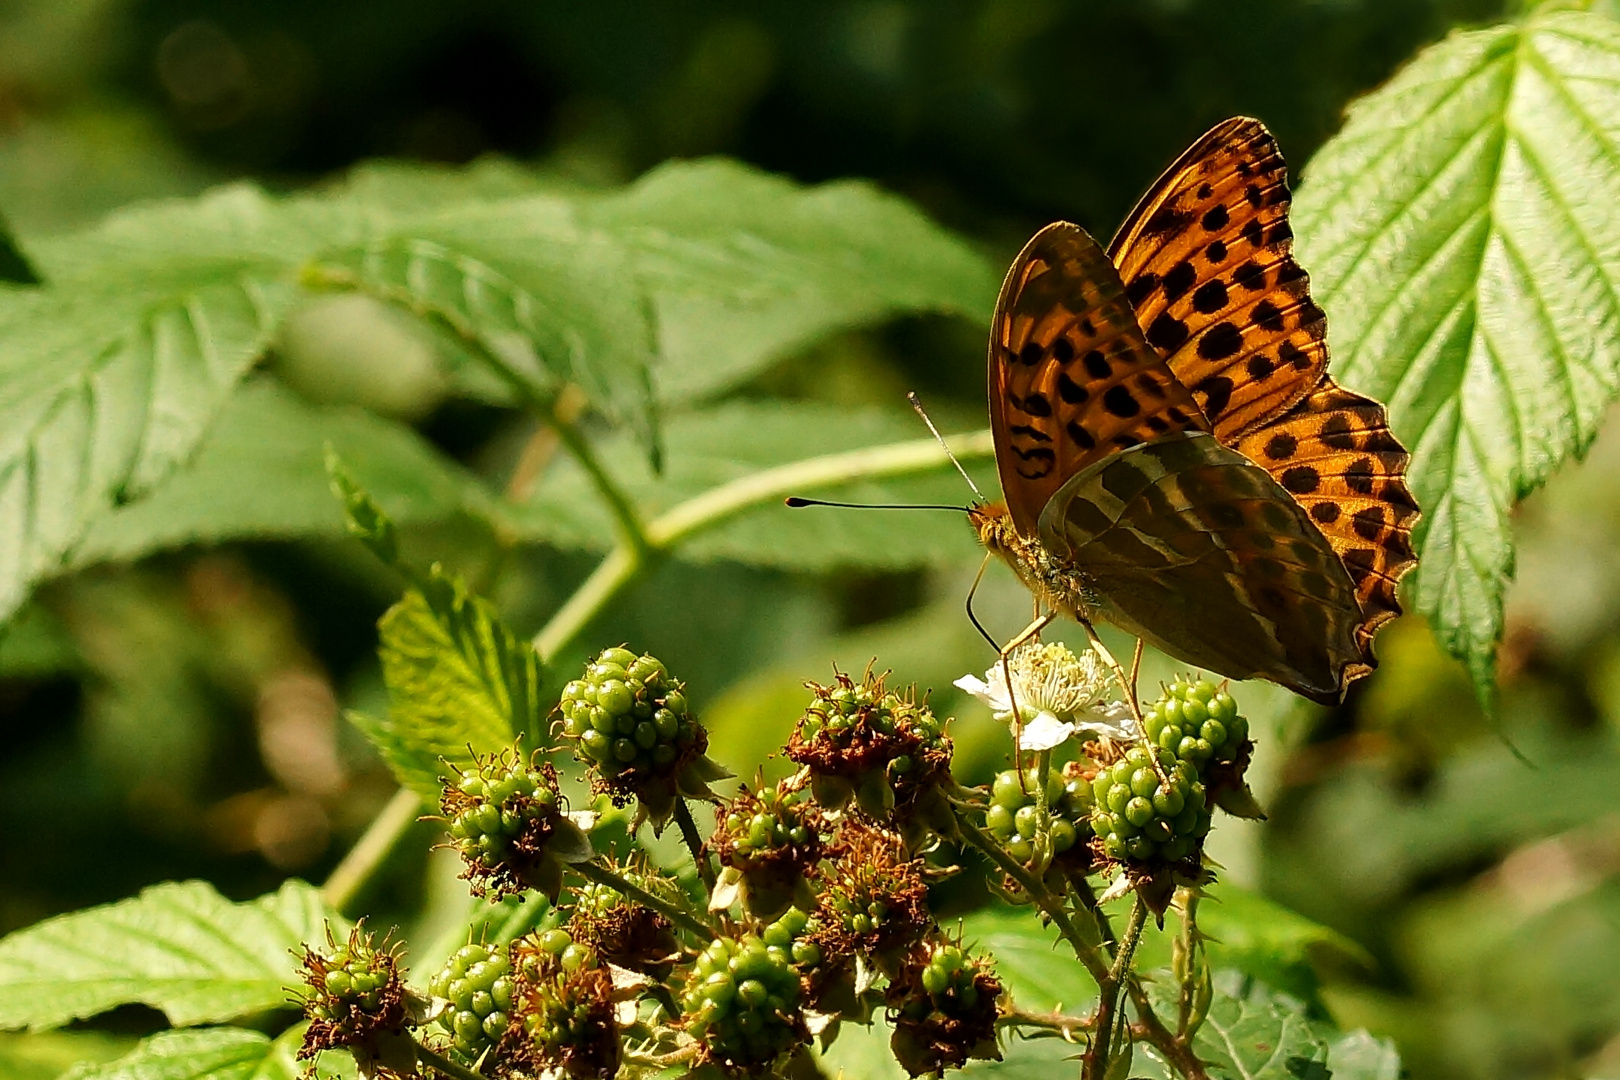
(664, 1061)
(601, 875)
(1064, 1025)
(1108, 1003)
(694, 844)
(446, 1065)
(1049, 904)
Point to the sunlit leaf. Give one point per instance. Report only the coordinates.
(217, 1054)
(1252, 1033)
(178, 947)
(1460, 233)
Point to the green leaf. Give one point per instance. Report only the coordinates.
(1035, 965)
(112, 374)
(217, 1054)
(546, 300)
(47, 1055)
(259, 475)
(735, 440)
(1269, 942)
(1360, 1056)
(1252, 1033)
(178, 947)
(744, 268)
(459, 682)
(1459, 231)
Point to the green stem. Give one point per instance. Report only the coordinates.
(1102, 1037)
(601, 875)
(445, 1065)
(1049, 904)
(372, 849)
(1054, 1021)
(694, 844)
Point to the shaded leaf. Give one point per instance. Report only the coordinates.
(178, 947)
(47, 1055)
(735, 440)
(743, 267)
(14, 265)
(1034, 964)
(1459, 233)
(259, 474)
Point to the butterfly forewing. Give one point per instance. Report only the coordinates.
(1198, 551)
(1334, 453)
(1206, 258)
(1071, 377)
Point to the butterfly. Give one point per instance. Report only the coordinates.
(1174, 457)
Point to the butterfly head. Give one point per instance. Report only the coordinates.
(995, 528)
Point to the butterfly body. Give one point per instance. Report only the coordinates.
(1175, 459)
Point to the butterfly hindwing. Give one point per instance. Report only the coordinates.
(1207, 262)
(1334, 453)
(1200, 552)
(1071, 378)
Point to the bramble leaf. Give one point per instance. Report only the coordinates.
(179, 947)
(217, 1054)
(1459, 233)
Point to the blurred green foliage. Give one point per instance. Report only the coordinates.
(171, 708)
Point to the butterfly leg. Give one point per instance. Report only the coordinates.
(1029, 632)
(1127, 683)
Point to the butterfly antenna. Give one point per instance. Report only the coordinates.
(916, 403)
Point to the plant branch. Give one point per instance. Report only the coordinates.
(1108, 1003)
(372, 849)
(1049, 904)
(694, 844)
(601, 875)
(446, 1065)
(1061, 1023)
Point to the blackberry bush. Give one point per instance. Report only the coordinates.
(631, 726)
(623, 932)
(742, 1002)
(1141, 821)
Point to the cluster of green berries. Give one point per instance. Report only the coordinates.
(1014, 813)
(353, 994)
(546, 952)
(622, 931)
(860, 739)
(565, 1008)
(1198, 723)
(873, 900)
(742, 1002)
(506, 819)
(944, 1010)
(755, 827)
(1142, 819)
(791, 932)
(628, 715)
(477, 982)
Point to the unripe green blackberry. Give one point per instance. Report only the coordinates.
(477, 984)
(507, 820)
(1013, 814)
(943, 1008)
(542, 953)
(768, 843)
(742, 1002)
(566, 1025)
(871, 899)
(623, 932)
(631, 726)
(1140, 820)
(1197, 722)
(885, 750)
(354, 997)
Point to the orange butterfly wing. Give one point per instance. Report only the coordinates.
(1334, 453)
(1071, 378)
(1207, 261)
